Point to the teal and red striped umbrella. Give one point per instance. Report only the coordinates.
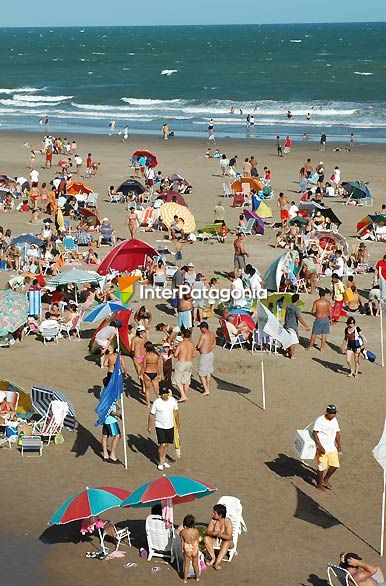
(177, 489)
(89, 503)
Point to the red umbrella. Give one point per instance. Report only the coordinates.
(151, 160)
(174, 196)
(91, 217)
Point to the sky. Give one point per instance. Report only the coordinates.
(32, 13)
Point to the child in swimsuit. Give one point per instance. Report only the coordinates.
(167, 365)
(190, 538)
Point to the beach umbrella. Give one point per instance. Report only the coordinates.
(329, 213)
(13, 311)
(298, 221)
(131, 186)
(90, 216)
(176, 489)
(76, 187)
(258, 226)
(151, 160)
(4, 179)
(237, 185)
(169, 210)
(124, 341)
(26, 239)
(169, 196)
(261, 208)
(356, 189)
(242, 315)
(310, 207)
(103, 311)
(43, 396)
(277, 303)
(91, 502)
(75, 276)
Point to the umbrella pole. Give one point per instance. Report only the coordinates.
(381, 317)
(383, 515)
(76, 293)
(123, 415)
(263, 382)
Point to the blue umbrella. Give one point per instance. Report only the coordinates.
(27, 239)
(103, 311)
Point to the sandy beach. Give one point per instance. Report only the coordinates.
(227, 439)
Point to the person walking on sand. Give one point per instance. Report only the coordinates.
(287, 146)
(322, 310)
(184, 353)
(323, 140)
(132, 222)
(326, 435)
(291, 323)
(279, 148)
(283, 204)
(163, 414)
(240, 254)
(205, 347)
(353, 343)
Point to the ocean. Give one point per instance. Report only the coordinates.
(141, 77)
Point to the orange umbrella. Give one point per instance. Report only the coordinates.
(75, 187)
(253, 183)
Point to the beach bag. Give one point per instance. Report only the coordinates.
(304, 444)
(368, 355)
(358, 339)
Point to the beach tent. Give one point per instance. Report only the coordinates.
(357, 189)
(175, 178)
(258, 227)
(168, 196)
(253, 184)
(128, 256)
(327, 239)
(24, 406)
(131, 186)
(261, 208)
(169, 210)
(75, 187)
(124, 341)
(276, 270)
(151, 160)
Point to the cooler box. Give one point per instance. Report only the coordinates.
(304, 445)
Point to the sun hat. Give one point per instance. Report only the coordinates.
(141, 328)
(190, 264)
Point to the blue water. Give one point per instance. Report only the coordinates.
(143, 76)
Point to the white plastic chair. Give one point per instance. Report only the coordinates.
(227, 190)
(73, 326)
(50, 333)
(91, 201)
(230, 339)
(247, 230)
(159, 537)
(52, 423)
(235, 514)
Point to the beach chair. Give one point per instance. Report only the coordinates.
(247, 230)
(170, 270)
(245, 188)
(11, 397)
(235, 514)
(338, 576)
(50, 333)
(159, 537)
(238, 200)
(51, 424)
(70, 244)
(231, 339)
(227, 190)
(259, 341)
(116, 197)
(91, 201)
(73, 326)
(110, 530)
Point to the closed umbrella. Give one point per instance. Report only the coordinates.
(89, 503)
(13, 311)
(169, 210)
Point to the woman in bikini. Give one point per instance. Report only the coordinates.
(143, 317)
(132, 222)
(190, 537)
(138, 352)
(151, 371)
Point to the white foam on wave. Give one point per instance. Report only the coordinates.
(295, 40)
(149, 101)
(169, 72)
(23, 104)
(363, 73)
(20, 90)
(48, 99)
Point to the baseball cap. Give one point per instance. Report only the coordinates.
(141, 328)
(204, 324)
(331, 409)
(165, 388)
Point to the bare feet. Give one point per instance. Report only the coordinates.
(321, 488)
(327, 485)
(182, 400)
(205, 394)
(216, 567)
(211, 562)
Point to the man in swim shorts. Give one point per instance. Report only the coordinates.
(240, 254)
(184, 353)
(321, 309)
(205, 346)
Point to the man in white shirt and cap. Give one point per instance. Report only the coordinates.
(326, 435)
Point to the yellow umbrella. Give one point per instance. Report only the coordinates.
(169, 210)
(264, 211)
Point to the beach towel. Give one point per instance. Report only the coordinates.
(177, 443)
(167, 512)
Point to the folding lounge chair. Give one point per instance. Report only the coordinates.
(35, 303)
(247, 230)
(52, 424)
(338, 576)
(70, 244)
(227, 190)
(231, 339)
(116, 197)
(110, 530)
(12, 397)
(91, 201)
(159, 537)
(235, 513)
(73, 326)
